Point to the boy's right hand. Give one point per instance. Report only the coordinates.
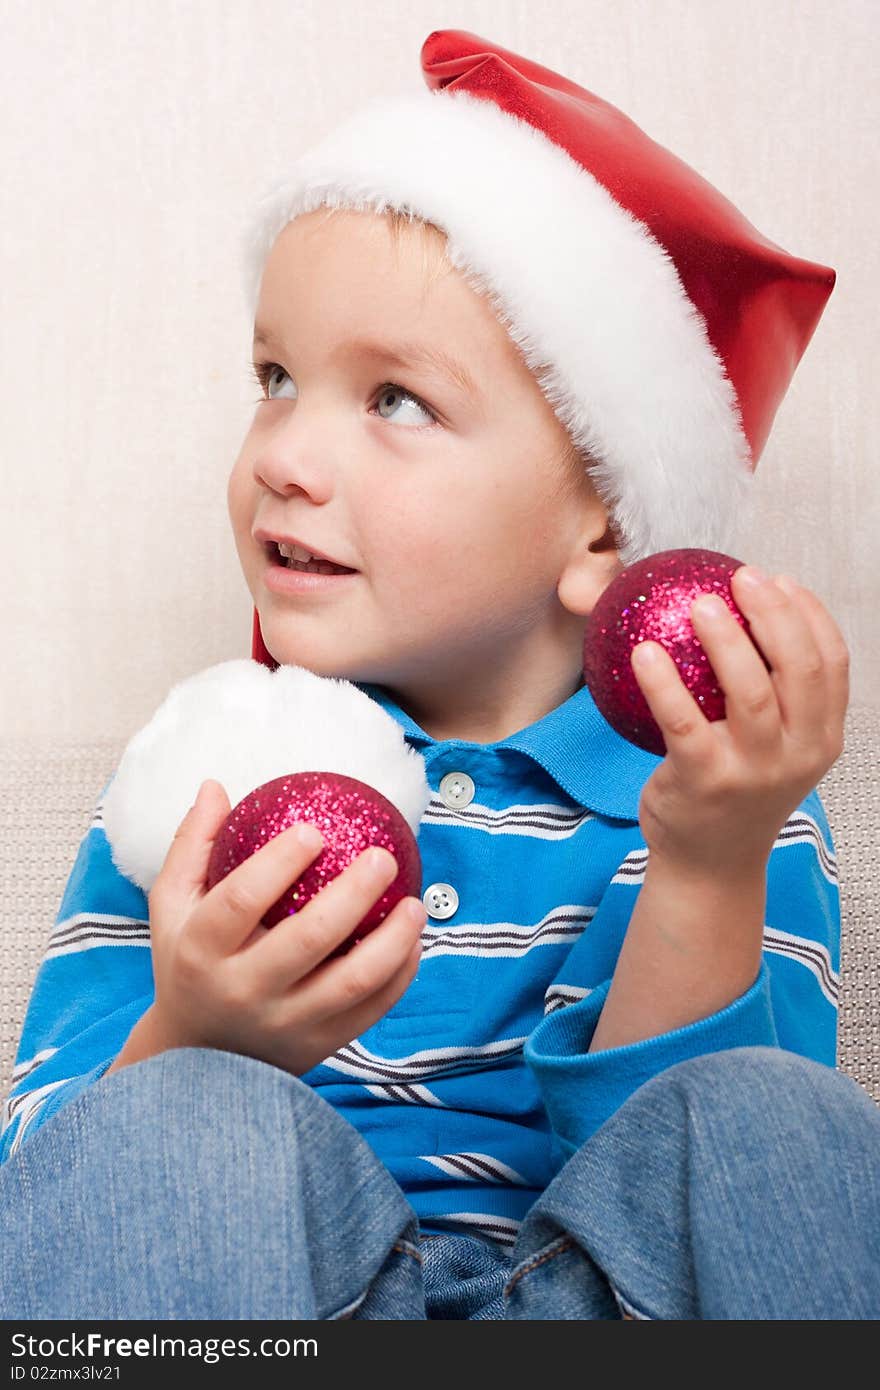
(224, 980)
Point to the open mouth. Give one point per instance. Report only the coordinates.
(306, 566)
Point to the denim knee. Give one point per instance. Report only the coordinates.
(738, 1183)
(751, 1076)
(201, 1183)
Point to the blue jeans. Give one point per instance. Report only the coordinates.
(203, 1184)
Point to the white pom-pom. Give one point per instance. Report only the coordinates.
(242, 724)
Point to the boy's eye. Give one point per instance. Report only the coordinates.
(387, 395)
(265, 373)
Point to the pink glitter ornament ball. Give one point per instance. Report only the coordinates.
(651, 601)
(350, 815)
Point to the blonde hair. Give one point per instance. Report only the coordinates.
(435, 261)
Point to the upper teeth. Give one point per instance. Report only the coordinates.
(294, 552)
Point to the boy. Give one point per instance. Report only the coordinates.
(597, 916)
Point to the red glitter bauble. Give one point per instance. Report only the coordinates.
(651, 601)
(351, 816)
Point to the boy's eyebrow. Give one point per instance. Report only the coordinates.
(399, 354)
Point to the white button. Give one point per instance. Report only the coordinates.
(440, 900)
(457, 789)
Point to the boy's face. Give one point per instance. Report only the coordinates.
(474, 572)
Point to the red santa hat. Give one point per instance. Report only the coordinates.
(661, 325)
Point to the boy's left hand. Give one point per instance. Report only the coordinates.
(727, 787)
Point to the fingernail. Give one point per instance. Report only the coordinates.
(309, 836)
(645, 654)
(416, 911)
(751, 576)
(710, 606)
(378, 861)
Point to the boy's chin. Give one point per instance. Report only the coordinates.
(288, 653)
(330, 655)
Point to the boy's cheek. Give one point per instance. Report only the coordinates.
(232, 497)
(239, 503)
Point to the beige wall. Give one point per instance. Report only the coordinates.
(132, 140)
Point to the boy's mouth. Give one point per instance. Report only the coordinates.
(285, 557)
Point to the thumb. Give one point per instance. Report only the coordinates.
(186, 863)
(212, 794)
(210, 808)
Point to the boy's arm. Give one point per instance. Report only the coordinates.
(145, 1040)
(693, 946)
(93, 984)
(790, 1001)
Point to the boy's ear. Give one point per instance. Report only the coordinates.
(590, 569)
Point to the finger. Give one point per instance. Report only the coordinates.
(751, 707)
(363, 1015)
(831, 642)
(685, 728)
(186, 863)
(341, 1028)
(786, 639)
(283, 954)
(350, 986)
(231, 910)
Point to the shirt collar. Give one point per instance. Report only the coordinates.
(589, 760)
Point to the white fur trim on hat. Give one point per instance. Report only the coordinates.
(588, 294)
(243, 724)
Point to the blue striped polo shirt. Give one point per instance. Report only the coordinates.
(477, 1085)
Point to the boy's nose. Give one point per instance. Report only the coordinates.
(287, 470)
